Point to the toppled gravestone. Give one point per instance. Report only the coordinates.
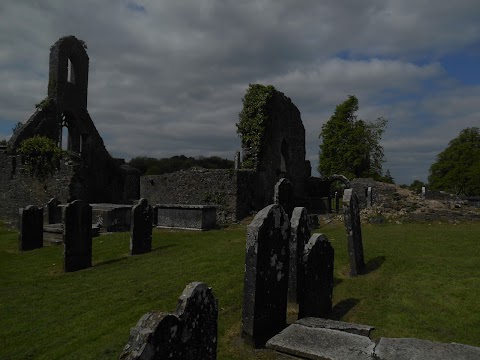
(351, 218)
(141, 228)
(77, 236)
(30, 228)
(300, 233)
(316, 278)
(266, 275)
(188, 334)
(283, 195)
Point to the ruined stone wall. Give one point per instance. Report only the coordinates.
(232, 190)
(95, 177)
(283, 153)
(18, 189)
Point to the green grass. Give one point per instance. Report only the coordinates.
(423, 281)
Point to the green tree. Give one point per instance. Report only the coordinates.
(416, 186)
(351, 146)
(3, 142)
(457, 168)
(42, 156)
(387, 178)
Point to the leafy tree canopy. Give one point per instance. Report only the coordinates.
(457, 168)
(42, 156)
(351, 146)
(152, 166)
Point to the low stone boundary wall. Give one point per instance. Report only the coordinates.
(190, 217)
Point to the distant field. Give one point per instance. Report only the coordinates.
(423, 281)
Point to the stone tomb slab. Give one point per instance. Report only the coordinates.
(318, 343)
(112, 217)
(188, 217)
(358, 329)
(409, 349)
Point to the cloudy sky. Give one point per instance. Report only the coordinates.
(167, 77)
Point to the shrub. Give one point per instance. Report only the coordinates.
(42, 156)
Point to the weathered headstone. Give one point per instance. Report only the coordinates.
(369, 197)
(284, 195)
(190, 333)
(266, 275)
(300, 233)
(351, 218)
(141, 228)
(77, 236)
(31, 228)
(54, 211)
(316, 278)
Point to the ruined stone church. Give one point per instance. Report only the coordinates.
(87, 172)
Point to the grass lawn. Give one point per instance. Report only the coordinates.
(423, 281)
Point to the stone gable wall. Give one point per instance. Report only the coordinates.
(284, 152)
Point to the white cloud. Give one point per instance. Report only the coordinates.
(168, 77)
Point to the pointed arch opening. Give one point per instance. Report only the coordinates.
(64, 141)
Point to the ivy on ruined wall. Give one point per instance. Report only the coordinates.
(42, 156)
(253, 121)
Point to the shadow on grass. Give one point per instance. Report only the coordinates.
(111, 261)
(163, 247)
(373, 264)
(336, 281)
(342, 308)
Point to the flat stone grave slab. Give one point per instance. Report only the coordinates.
(319, 343)
(188, 217)
(53, 233)
(320, 323)
(409, 349)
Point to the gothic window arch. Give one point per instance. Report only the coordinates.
(64, 141)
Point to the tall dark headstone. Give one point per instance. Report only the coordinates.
(283, 195)
(266, 275)
(31, 228)
(141, 228)
(54, 211)
(77, 236)
(300, 233)
(316, 278)
(351, 218)
(190, 333)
